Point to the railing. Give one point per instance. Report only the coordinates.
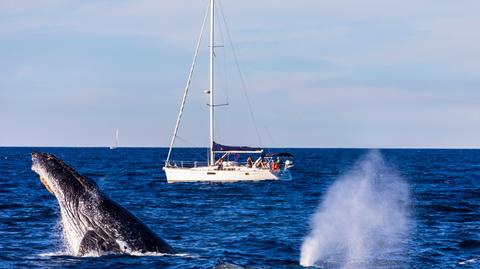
(226, 165)
(194, 164)
(185, 164)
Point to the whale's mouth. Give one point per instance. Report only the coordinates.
(44, 182)
(37, 166)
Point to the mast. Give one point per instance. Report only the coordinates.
(212, 46)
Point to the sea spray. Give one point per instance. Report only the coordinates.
(364, 216)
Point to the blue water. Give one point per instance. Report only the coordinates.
(260, 225)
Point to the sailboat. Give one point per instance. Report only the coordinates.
(269, 166)
(115, 143)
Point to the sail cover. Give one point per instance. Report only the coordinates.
(235, 149)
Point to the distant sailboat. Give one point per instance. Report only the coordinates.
(266, 167)
(115, 143)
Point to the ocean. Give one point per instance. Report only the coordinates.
(344, 208)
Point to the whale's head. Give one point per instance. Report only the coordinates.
(77, 196)
(91, 221)
(59, 179)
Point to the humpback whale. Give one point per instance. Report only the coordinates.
(92, 222)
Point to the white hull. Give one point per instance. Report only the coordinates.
(211, 174)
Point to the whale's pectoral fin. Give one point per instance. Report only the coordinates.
(92, 242)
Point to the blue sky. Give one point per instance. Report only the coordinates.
(341, 73)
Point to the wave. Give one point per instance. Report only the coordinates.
(469, 261)
(134, 253)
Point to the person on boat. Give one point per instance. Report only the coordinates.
(276, 164)
(249, 162)
(220, 164)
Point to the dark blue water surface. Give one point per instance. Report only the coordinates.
(260, 225)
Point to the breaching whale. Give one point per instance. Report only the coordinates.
(92, 222)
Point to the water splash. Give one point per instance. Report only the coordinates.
(133, 253)
(363, 217)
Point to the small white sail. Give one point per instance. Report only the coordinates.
(115, 142)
